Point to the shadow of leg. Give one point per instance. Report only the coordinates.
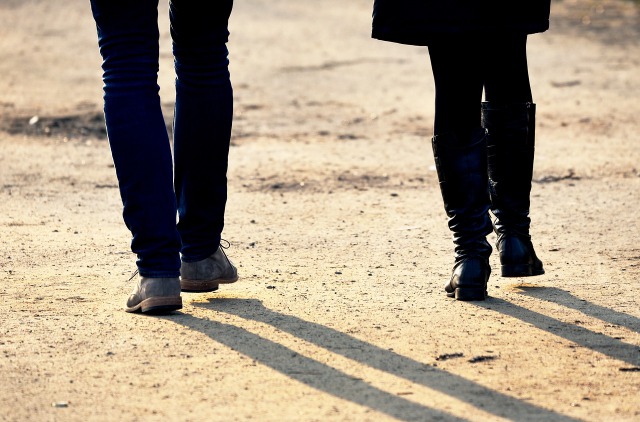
(311, 372)
(598, 342)
(566, 299)
(373, 356)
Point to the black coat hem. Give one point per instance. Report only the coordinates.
(419, 37)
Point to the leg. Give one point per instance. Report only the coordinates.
(459, 148)
(506, 73)
(202, 125)
(202, 133)
(128, 40)
(456, 72)
(509, 117)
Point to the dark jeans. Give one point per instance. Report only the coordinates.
(128, 38)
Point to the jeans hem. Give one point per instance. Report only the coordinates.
(158, 274)
(200, 257)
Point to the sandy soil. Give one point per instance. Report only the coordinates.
(337, 227)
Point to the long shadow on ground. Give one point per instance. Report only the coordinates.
(613, 347)
(568, 300)
(330, 380)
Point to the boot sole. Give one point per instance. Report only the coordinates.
(469, 294)
(157, 305)
(202, 286)
(520, 271)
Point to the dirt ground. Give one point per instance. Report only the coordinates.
(337, 227)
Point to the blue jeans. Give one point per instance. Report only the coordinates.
(128, 39)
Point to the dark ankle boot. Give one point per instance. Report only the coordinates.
(510, 151)
(462, 171)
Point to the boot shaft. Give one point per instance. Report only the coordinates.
(510, 155)
(462, 172)
(511, 123)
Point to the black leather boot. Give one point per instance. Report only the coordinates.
(510, 151)
(462, 171)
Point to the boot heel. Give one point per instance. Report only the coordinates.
(471, 293)
(520, 270)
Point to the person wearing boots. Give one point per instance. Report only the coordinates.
(187, 256)
(483, 151)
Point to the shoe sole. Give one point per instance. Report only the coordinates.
(157, 305)
(203, 286)
(520, 271)
(469, 294)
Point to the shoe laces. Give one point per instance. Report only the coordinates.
(223, 246)
(135, 273)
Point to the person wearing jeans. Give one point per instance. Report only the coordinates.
(483, 150)
(188, 255)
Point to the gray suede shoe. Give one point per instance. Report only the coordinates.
(206, 275)
(155, 296)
